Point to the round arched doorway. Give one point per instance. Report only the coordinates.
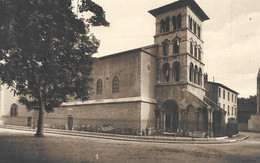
(170, 116)
(70, 122)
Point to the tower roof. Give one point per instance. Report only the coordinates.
(178, 4)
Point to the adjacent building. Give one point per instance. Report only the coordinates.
(160, 86)
(222, 95)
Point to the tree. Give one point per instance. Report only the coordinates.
(246, 107)
(46, 51)
(247, 104)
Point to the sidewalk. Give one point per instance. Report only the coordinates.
(152, 139)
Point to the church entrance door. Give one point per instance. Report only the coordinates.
(170, 116)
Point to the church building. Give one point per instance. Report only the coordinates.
(159, 86)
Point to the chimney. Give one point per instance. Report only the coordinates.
(205, 77)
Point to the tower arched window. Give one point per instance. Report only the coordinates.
(166, 72)
(115, 84)
(196, 75)
(191, 72)
(179, 21)
(176, 71)
(191, 48)
(199, 54)
(165, 47)
(200, 77)
(14, 110)
(195, 27)
(176, 46)
(190, 22)
(99, 86)
(162, 26)
(174, 22)
(199, 29)
(195, 52)
(167, 24)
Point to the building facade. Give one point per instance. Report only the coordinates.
(158, 86)
(225, 97)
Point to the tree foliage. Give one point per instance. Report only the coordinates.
(46, 51)
(247, 104)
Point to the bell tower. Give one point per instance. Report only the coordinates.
(180, 46)
(254, 121)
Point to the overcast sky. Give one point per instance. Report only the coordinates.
(231, 36)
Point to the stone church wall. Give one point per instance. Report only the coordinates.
(148, 75)
(147, 115)
(118, 115)
(126, 66)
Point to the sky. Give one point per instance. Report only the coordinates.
(231, 36)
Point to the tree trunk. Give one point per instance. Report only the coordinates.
(39, 132)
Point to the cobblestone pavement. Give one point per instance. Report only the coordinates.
(21, 146)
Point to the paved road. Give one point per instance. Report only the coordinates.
(20, 146)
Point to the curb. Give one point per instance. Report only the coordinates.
(132, 138)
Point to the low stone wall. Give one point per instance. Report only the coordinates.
(242, 126)
(121, 116)
(18, 121)
(253, 123)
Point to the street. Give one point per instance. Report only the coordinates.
(22, 146)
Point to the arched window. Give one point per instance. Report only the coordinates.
(14, 110)
(199, 54)
(176, 71)
(99, 86)
(165, 47)
(179, 21)
(174, 22)
(176, 46)
(190, 22)
(195, 51)
(167, 24)
(194, 27)
(162, 26)
(166, 72)
(200, 77)
(191, 72)
(196, 75)
(115, 84)
(191, 48)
